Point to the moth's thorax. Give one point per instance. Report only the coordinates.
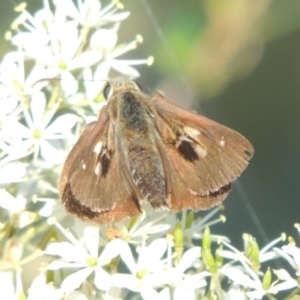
(121, 85)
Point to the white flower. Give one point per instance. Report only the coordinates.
(59, 52)
(40, 289)
(85, 257)
(150, 294)
(37, 28)
(291, 253)
(40, 130)
(193, 228)
(236, 255)
(148, 271)
(61, 56)
(12, 172)
(284, 282)
(185, 280)
(190, 286)
(13, 205)
(8, 105)
(11, 287)
(105, 40)
(138, 230)
(102, 39)
(89, 13)
(246, 277)
(15, 83)
(16, 207)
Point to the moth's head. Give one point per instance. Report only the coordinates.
(119, 85)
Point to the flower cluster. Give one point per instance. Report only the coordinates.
(50, 87)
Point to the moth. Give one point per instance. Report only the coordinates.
(144, 149)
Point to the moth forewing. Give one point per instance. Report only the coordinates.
(75, 152)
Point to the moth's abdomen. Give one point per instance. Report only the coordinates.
(148, 174)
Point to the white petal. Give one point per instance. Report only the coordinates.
(94, 84)
(156, 279)
(12, 172)
(68, 35)
(118, 17)
(6, 107)
(102, 280)
(38, 105)
(39, 78)
(86, 59)
(101, 72)
(294, 252)
(17, 150)
(50, 154)
(65, 250)
(74, 280)
(113, 293)
(61, 124)
(68, 7)
(68, 83)
(283, 286)
(7, 283)
(195, 281)
(149, 293)
(124, 281)
(61, 264)
(112, 249)
(282, 274)
(89, 10)
(124, 68)
(189, 258)
(150, 255)
(91, 239)
(103, 39)
(75, 295)
(128, 259)
(256, 294)
(180, 294)
(239, 277)
(285, 256)
(7, 201)
(268, 256)
(14, 129)
(152, 229)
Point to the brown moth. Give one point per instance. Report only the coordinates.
(148, 149)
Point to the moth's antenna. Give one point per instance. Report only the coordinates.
(167, 47)
(60, 79)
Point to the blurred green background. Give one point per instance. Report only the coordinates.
(237, 62)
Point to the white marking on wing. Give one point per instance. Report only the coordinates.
(200, 150)
(191, 132)
(97, 148)
(97, 169)
(222, 142)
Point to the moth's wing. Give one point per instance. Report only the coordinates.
(90, 185)
(201, 157)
